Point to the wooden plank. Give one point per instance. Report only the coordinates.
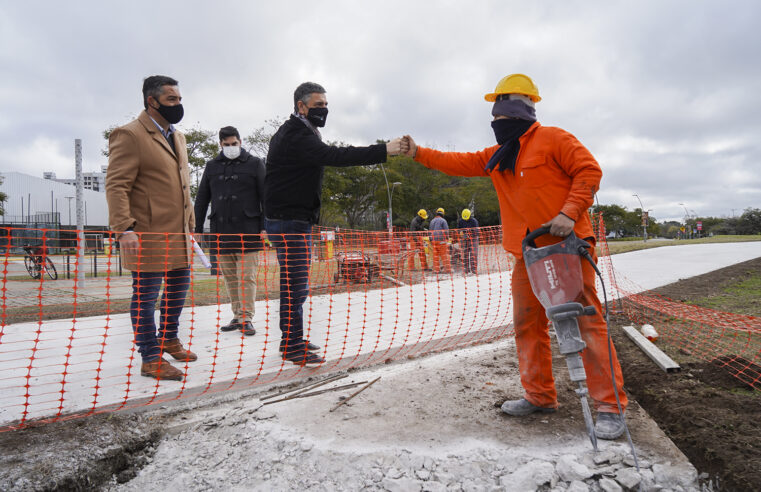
(664, 361)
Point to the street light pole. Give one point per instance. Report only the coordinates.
(642, 216)
(686, 218)
(389, 190)
(390, 208)
(388, 193)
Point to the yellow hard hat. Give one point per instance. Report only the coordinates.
(422, 213)
(440, 211)
(465, 214)
(516, 83)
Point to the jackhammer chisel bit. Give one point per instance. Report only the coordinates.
(570, 345)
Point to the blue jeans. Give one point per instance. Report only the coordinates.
(293, 241)
(145, 291)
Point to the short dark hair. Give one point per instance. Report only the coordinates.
(228, 131)
(304, 91)
(154, 86)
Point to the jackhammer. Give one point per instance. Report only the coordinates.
(555, 276)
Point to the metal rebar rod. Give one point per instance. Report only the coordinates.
(360, 390)
(301, 389)
(314, 393)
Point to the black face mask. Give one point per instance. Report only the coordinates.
(173, 114)
(317, 116)
(509, 129)
(507, 132)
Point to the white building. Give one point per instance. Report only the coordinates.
(95, 181)
(32, 199)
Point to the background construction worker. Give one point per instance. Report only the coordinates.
(469, 226)
(544, 177)
(440, 242)
(417, 226)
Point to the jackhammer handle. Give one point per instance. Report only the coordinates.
(531, 236)
(589, 311)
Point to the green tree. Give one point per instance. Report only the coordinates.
(670, 229)
(106, 135)
(202, 147)
(258, 142)
(615, 218)
(725, 226)
(351, 191)
(349, 195)
(3, 198)
(750, 221)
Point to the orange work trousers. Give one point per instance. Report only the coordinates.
(532, 339)
(441, 260)
(416, 245)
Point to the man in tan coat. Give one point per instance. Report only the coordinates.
(147, 189)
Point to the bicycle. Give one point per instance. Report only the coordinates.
(36, 261)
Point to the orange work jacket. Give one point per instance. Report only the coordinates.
(554, 173)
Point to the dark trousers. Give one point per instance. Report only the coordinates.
(293, 241)
(470, 259)
(145, 291)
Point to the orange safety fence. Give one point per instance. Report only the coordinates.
(685, 331)
(68, 348)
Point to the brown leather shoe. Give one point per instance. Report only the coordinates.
(161, 369)
(176, 350)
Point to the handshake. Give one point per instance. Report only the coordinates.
(402, 146)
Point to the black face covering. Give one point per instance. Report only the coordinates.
(173, 114)
(509, 129)
(317, 116)
(507, 133)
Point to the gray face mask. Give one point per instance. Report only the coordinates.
(514, 108)
(232, 152)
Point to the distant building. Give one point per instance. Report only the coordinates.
(95, 181)
(49, 202)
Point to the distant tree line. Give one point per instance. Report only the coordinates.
(625, 223)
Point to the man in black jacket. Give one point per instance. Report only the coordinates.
(416, 241)
(233, 182)
(292, 202)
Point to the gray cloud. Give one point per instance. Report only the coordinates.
(663, 93)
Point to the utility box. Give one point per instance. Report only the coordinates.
(325, 248)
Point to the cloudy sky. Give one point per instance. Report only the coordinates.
(666, 94)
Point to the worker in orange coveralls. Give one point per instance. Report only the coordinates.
(543, 177)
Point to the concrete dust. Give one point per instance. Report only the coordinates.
(429, 424)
